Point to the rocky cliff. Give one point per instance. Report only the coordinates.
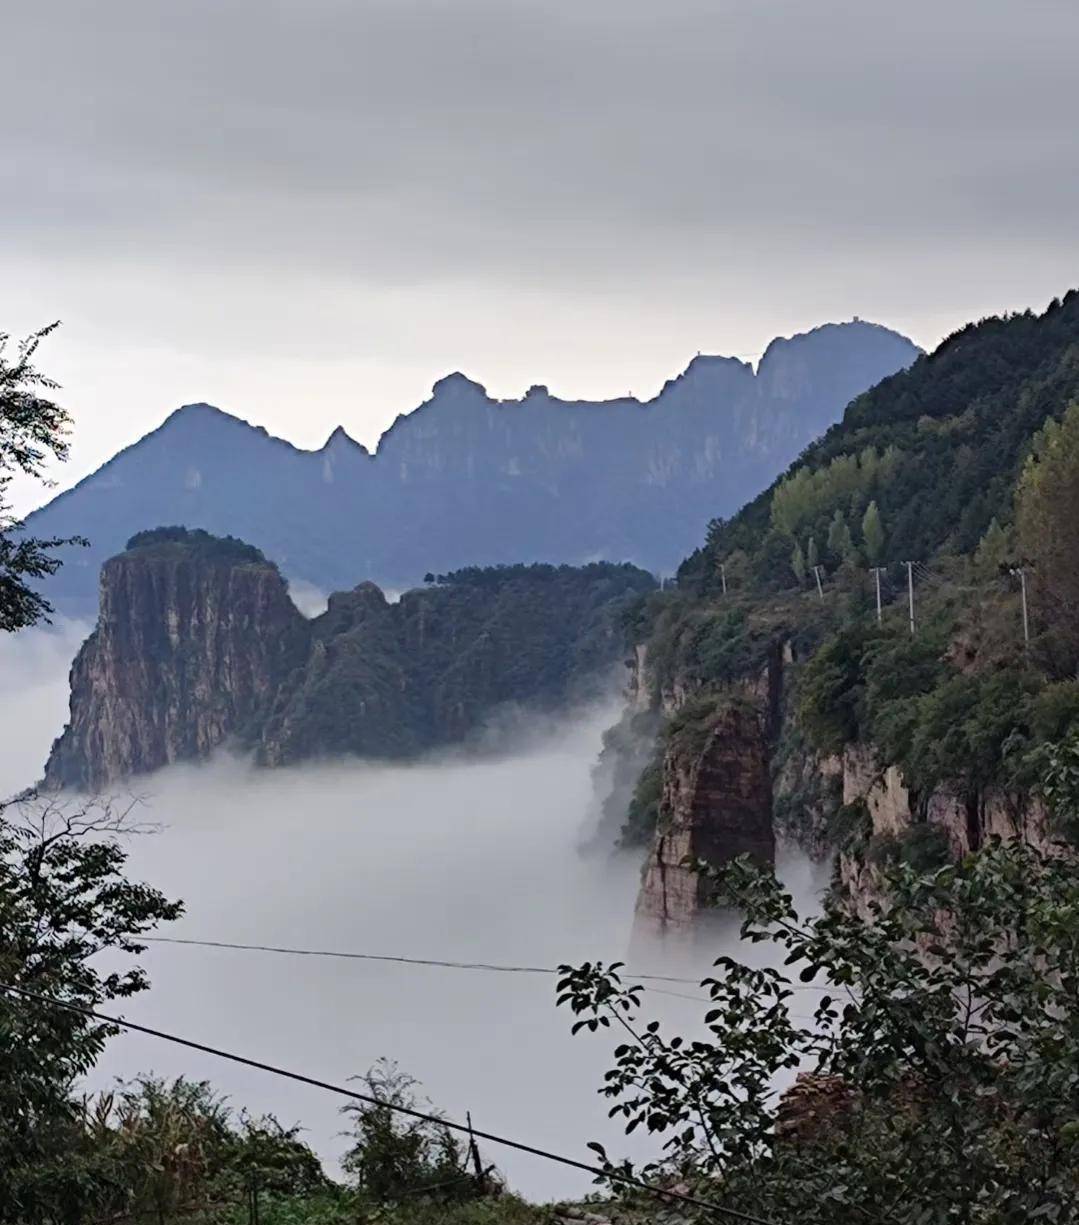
(192, 639)
(716, 805)
(736, 696)
(470, 479)
(199, 645)
(946, 822)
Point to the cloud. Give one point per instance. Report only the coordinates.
(34, 665)
(455, 857)
(307, 212)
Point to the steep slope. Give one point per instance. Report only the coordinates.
(198, 645)
(884, 740)
(466, 479)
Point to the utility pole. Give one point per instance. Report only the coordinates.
(910, 591)
(723, 576)
(816, 575)
(1026, 618)
(877, 573)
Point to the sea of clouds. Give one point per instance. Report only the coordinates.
(454, 857)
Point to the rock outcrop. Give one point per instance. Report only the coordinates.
(191, 641)
(716, 805)
(963, 822)
(198, 644)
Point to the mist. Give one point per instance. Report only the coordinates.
(452, 858)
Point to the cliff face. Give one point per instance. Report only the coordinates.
(186, 651)
(199, 644)
(737, 771)
(716, 805)
(960, 823)
(469, 479)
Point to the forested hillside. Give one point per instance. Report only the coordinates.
(919, 729)
(198, 646)
(937, 448)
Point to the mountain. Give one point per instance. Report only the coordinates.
(882, 739)
(198, 645)
(469, 480)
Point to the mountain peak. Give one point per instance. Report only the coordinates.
(340, 440)
(457, 384)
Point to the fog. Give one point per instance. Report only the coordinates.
(449, 858)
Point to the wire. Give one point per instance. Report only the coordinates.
(408, 961)
(490, 1137)
(431, 961)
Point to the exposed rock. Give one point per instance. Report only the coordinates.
(188, 647)
(966, 820)
(198, 644)
(813, 1104)
(717, 805)
(881, 787)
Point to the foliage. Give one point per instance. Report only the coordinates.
(1047, 510)
(840, 543)
(390, 680)
(171, 1149)
(950, 436)
(642, 813)
(32, 429)
(1059, 788)
(923, 847)
(225, 550)
(809, 497)
(948, 1020)
(902, 695)
(873, 534)
(63, 901)
(538, 572)
(993, 550)
(394, 1156)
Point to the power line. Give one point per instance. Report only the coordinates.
(432, 961)
(408, 961)
(490, 1137)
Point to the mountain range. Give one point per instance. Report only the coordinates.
(466, 479)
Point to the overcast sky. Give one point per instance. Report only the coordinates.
(306, 211)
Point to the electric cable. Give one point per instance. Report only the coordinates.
(431, 961)
(370, 1099)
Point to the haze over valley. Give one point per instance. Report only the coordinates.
(539, 613)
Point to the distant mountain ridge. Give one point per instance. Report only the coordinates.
(469, 480)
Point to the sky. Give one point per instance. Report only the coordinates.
(307, 211)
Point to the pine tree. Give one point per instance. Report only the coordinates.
(873, 534)
(798, 563)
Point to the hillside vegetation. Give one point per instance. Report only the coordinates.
(966, 466)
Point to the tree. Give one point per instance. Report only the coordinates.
(1047, 510)
(812, 556)
(32, 428)
(63, 901)
(394, 1156)
(943, 1045)
(798, 563)
(873, 534)
(173, 1148)
(993, 550)
(839, 538)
